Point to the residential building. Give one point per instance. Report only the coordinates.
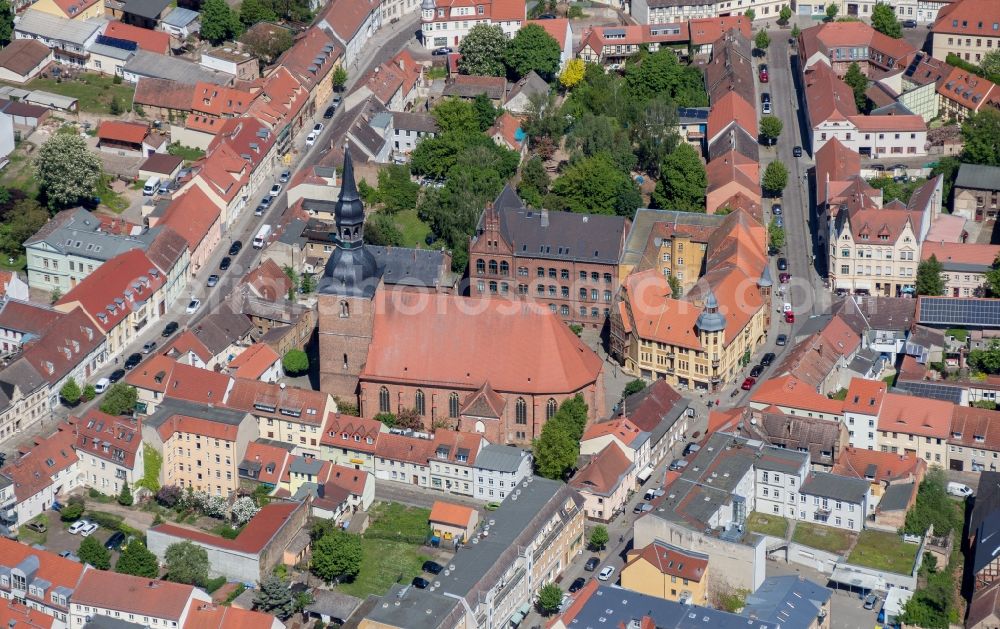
(660, 11)
(839, 44)
(668, 572)
(446, 22)
(351, 24)
(822, 439)
(564, 260)
(862, 408)
(130, 599)
(43, 472)
(197, 218)
(672, 242)
(40, 580)
(202, 445)
(408, 129)
(403, 458)
(69, 39)
(792, 397)
(964, 94)
(918, 425)
(181, 23)
(882, 470)
(22, 321)
(779, 475)
(833, 500)
(966, 29)
(974, 442)
(257, 362)
(791, 600)
(395, 84)
(77, 11)
(963, 265)
(24, 397)
(74, 243)
(23, 59)
(658, 409)
(350, 441)
(110, 451)
(287, 414)
(240, 63)
(452, 523)
(614, 44)
(498, 469)
(72, 348)
(976, 192)
(605, 482)
(632, 441)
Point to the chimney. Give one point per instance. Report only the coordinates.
(545, 217)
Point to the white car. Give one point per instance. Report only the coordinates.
(275, 190)
(90, 528)
(317, 127)
(193, 306)
(960, 490)
(78, 526)
(606, 573)
(311, 139)
(102, 385)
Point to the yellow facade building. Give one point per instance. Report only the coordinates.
(667, 572)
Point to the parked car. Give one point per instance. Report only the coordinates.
(102, 385)
(259, 211)
(765, 108)
(329, 113)
(236, 247)
(116, 375)
(691, 447)
(678, 464)
(169, 329)
(789, 317)
(317, 127)
(591, 564)
(148, 347)
(960, 490)
(433, 567)
(266, 201)
(443, 50)
(193, 306)
(909, 23)
(784, 278)
(762, 72)
(606, 573)
(767, 359)
(797, 151)
(74, 528)
(748, 384)
(212, 280)
(225, 263)
(577, 584)
(776, 209)
(116, 541)
(133, 360)
(642, 507)
(285, 176)
(310, 139)
(782, 264)
(756, 371)
(652, 493)
(275, 190)
(765, 97)
(871, 600)
(779, 222)
(39, 527)
(781, 340)
(420, 582)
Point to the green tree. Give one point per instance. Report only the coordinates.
(634, 386)
(70, 392)
(933, 507)
(796, 31)
(485, 111)
(336, 555)
(599, 537)
(93, 552)
(989, 64)
(555, 451)
(750, 14)
(6, 22)
(119, 399)
(20, 223)
(457, 115)
(659, 74)
(594, 185)
(858, 83)
(267, 44)
(981, 132)
(929, 280)
(831, 11)
(89, 393)
(66, 170)
(986, 360)
(125, 496)
(534, 182)
(884, 21)
(992, 279)
(775, 178)
(776, 234)
(274, 597)
(71, 512)
(396, 189)
(682, 181)
(186, 563)
(549, 599)
(295, 362)
(785, 14)
(483, 50)
(932, 606)
(137, 560)
(572, 74)
(381, 230)
(255, 11)
(594, 135)
(339, 78)
(762, 40)
(770, 128)
(676, 289)
(533, 49)
(989, 405)
(218, 21)
(655, 134)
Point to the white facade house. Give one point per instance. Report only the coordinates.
(665, 11)
(447, 22)
(834, 500)
(779, 475)
(498, 469)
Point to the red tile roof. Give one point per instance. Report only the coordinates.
(164, 93)
(122, 436)
(205, 615)
(835, 165)
(647, 408)
(191, 215)
(274, 461)
(139, 595)
(341, 430)
(252, 539)
(622, 429)
(116, 288)
(347, 478)
(968, 90)
(190, 383)
(64, 344)
(708, 30)
(864, 396)
(604, 473)
(556, 28)
(656, 315)
(828, 98)
(14, 615)
(219, 101)
(274, 400)
(47, 456)
(672, 561)
(59, 572)
(254, 361)
(896, 122)
(789, 392)
(879, 467)
(153, 41)
(130, 132)
(268, 281)
(196, 426)
(187, 342)
(73, 8)
(310, 47)
(916, 416)
(729, 109)
(448, 443)
(976, 428)
(346, 17)
(27, 317)
(401, 448)
(841, 337)
(443, 342)
(506, 127)
(969, 17)
(451, 514)
(961, 253)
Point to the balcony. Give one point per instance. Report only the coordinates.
(715, 363)
(8, 517)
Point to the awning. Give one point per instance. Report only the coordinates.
(854, 579)
(645, 473)
(862, 285)
(843, 284)
(524, 609)
(516, 619)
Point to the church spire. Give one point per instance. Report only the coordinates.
(350, 211)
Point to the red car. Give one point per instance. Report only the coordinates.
(789, 317)
(784, 278)
(748, 384)
(762, 73)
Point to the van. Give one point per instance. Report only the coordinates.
(261, 238)
(152, 185)
(960, 490)
(102, 385)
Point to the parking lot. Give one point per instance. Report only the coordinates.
(58, 539)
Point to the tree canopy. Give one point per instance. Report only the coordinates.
(120, 398)
(682, 181)
(137, 560)
(6, 22)
(776, 234)
(186, 563)
(858, 83)
(599, 538)
(981, 132)
(762, 40)
(986, 360)
(572, 74)
(274, 597)
(884, 21)
(295, 362)
(549, 598)
(219, 22)
(775, 178)
(483, 50)
(770, 128)
(93, 552)
(533, 49)
(929, 280)
(254, 11)
(67, 171)
(558, 447)
(595, 185)
(336, 555)
(70, 392)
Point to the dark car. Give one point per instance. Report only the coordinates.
(782, 264)
(577, 584)
(329, 113)
(116, 375)
(133, 360)
(591, 564)
(765, 97)
(433, 567)
(784, 278)
(909, 23)
(748, 384)
(781, 340)
(767, 359)
(115, 541)
(420, 582)
(546, 16)
(756, 371)
(169, 329)
(797, 151)
(224, 263)
(443, 50)
(235, 247)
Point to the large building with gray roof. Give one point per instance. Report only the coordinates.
(977, 192)
(74, 243)
(498, 468)
(790, 601)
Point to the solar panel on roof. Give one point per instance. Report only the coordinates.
(956, 311)
(115, 42)
(931, 390)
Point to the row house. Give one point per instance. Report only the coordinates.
(395, 83)
(977, 192)
(921, 11)
(280, 103)
(862, 409)
(821, 439)
(790, 396)
(834, 500)
(974, 440)
(886, 474)
(210, 107)
(968, 29)
(663, 11)
(287, 414)
(121, 298)
(633, 442)
(605, 481)
(42, 473)
(40, 580)
(963, 94)
(312, 60)
(963, 265)
(110, 451)
(73, 347)
(24, 397)
(910, 424)
(69, 39)
(350, 441)
(446, 22)
(196, 217)
(352, 23)
(615, 44)
(839, 44)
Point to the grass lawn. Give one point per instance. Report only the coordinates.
(413, 229)
(392, 519)
(20, 262)
(883, 551)
(19, 174)
(383, 564)
(93, 91)
(115, 202)
(773, 525)
(822, 537)
(185, 152)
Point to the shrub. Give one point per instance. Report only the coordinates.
(71, 512)
(212, 585)
(107, 520)
(169, 495)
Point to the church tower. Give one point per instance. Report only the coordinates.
(711, 325)
(766, 285)
(346, 292)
